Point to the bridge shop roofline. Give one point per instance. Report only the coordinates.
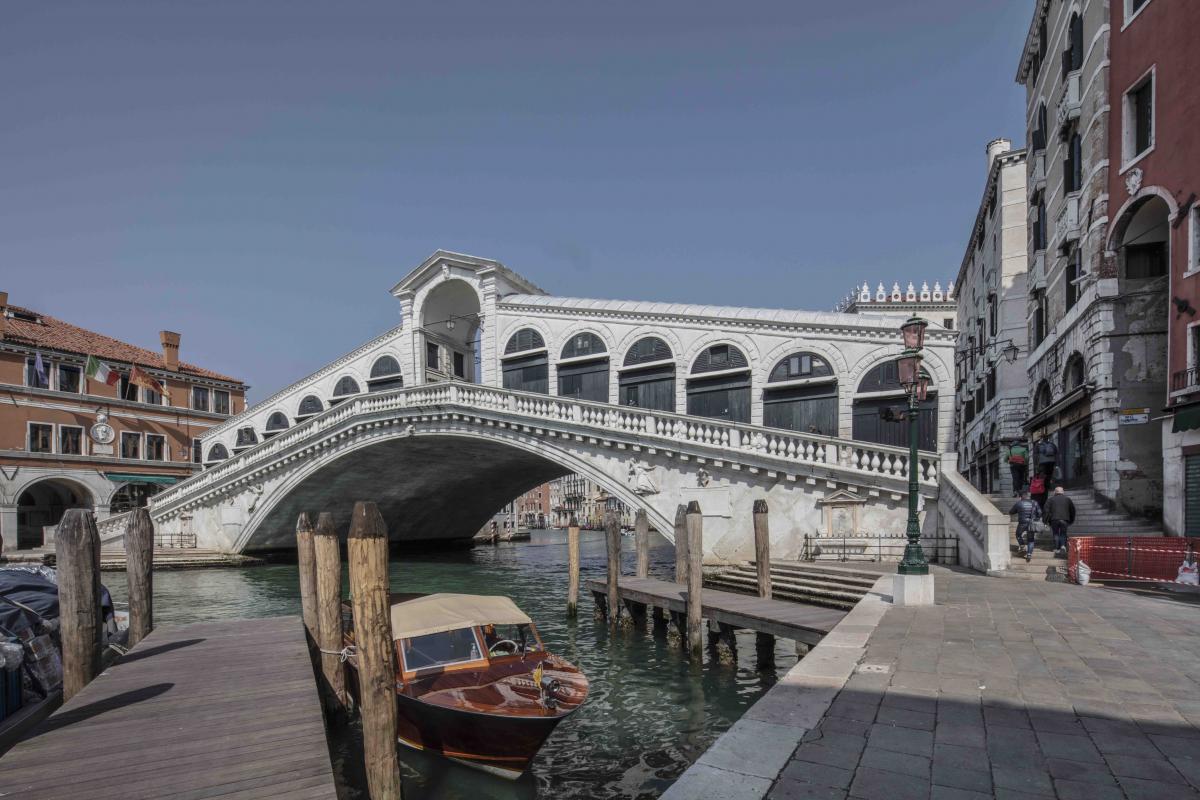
(409, 283)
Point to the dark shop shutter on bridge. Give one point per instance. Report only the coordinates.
(1191, 496)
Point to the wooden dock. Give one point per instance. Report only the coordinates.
(212, 710)
(783, 618)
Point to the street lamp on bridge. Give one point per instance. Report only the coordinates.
(912, 582)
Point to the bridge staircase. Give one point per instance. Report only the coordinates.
(830, 587)
(1091, 519)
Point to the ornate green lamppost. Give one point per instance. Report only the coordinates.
(916, 387)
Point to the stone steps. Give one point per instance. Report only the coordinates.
(815, 586)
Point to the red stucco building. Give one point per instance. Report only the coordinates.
(1154, 212)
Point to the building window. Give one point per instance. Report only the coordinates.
(131, 445)
(1132, 7)
(197, 452)
(948, 323)
(156, 447)
(1043, 397)
(69, 379)
(345, 387)
(1139, 118)
(1039, 222)
(41, 438)
(220, 401)
(33, 378)
(127, 390)
(277, 422)
(309, 406)
(992, 315)
(246, 437)
(524, 340)
(1073, 164)
(70, 440)
(991, 383)
(1073, 55)
(1076, 373)
(460, 366)
(1039, 133)
(1039, 318)
(1193, 239)
(385, 375)
(200, 398)
(1070, 279)
(152, 397)
(431, 355)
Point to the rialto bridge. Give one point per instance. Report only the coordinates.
(490, 386)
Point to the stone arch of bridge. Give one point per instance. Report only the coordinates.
(433, 485)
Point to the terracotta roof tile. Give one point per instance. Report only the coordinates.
(54, 334)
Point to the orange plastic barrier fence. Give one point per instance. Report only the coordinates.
(1135, 558)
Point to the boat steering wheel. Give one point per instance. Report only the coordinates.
(510, 648)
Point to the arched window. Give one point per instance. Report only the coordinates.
(1043, 397)
(583, 370)
(879, 399)
(276, 423)
(724, 395)
(346, 386)
(525, 364)
(647, 378)
(1075, 374)
(246, 437)
(1143, 233)
(523, 341)
(217, 453)
(1073, 55)
(310, 406)
(385, 374)
(809, 403)
(1039, 133)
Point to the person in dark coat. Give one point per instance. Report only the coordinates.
(1027, 512)
(1047, 453)
(1060, 513)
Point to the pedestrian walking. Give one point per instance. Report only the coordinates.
(1028, 512)
(1047, 453)
(1060, 513)
(1037, 490)
(1018, 466)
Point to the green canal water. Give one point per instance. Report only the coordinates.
(650, 712)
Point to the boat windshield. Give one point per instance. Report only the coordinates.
(503, 640)
(440, 649)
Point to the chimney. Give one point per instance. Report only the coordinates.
(3, 314)
(170, 346)
(994, 148)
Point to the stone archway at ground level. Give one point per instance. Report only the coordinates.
(43, 503)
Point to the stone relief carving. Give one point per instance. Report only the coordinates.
(703, 478)
(641, 479)
(1133, 180)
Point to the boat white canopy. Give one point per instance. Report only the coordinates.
(436, 613)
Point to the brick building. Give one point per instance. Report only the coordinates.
(70, 441)
(1154, 236)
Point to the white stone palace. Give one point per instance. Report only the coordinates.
(490, 386)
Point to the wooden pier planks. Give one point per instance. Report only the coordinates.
(790, 620)
(212, 710)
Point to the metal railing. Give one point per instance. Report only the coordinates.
(938, 549)
(175, 540)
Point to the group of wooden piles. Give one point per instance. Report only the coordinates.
(689, 553)
(77, 554)
(320, 564)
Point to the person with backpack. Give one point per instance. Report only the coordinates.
(1037, 490)
(1047, 452)
(1027, 512)
(1060, 513)
(1018, 466)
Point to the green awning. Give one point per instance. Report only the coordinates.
(124, 477)
(1186, 419)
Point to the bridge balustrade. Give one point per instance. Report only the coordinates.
(661, 426)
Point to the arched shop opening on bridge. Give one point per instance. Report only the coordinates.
(880, 392)
(526, 363)
(719, 384)
(583, 368)
(647, 377)
(802, 395)
(451, 332)
(43, 504)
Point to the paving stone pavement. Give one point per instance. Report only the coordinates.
(1013, 689)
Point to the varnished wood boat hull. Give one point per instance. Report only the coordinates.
(505, 745)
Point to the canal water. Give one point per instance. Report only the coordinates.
(650, 712)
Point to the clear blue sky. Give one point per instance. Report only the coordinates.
(257, 175)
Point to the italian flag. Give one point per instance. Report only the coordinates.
(97, 370)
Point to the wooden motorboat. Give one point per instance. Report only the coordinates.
(473, 681)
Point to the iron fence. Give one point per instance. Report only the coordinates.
(175, 540)
(938, 549)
